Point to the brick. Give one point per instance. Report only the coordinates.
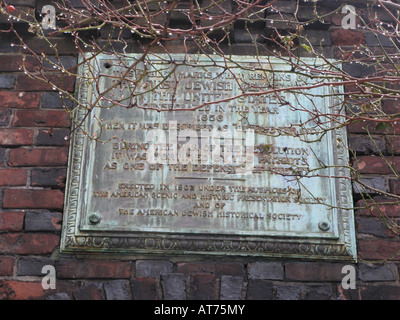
(16, 137)
(5, 44)
(53, 137)
(41, 118)
(64, 46)
(92, 268)
(32, 266)
(6, 266)
(309, 271)
(373, 272)
(66, 62)
(144, 289)
(231, 288)
(265, 270)
(65, 82)
(395, 186)
(374, 226)
(316, 38)
(358, 70)
(378, 249)
(202, 287)
(13, 177)
(21, 290)
(363, 144)
(19, 100)
(89, 292)
(5, 117)
(117, 290)
(32, 199)
(222, 268)
(174, 286)
(285, 6)
(391, 106)
(48, 178)
(376, 165)
(288, 292)
(369, 208)
(38, 157)
(363, 126)
(343, 37)
(28, 243)
(374, 39)
(260, 290)
(371, 292)
(43, 221)
(317, 292)
(7, 81)
(152, 268)
(11, 221)
(364, 185)
(59, 296)
(52, 100)
(27, 3)
(13, 63)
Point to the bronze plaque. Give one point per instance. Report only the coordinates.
(192, 159)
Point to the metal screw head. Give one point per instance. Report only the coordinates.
(94, 218)
(324, 226)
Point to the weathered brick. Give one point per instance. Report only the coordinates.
(117, 290)
(66, 62)
(5, 117)
(48, 178)
(59, 296)
(374, 226)
(62, 46)
(41, 118)
(265, 270)
(16, 137)
(38, 157)
(11, 221)
(31, 199)
(89, 292)
(376, 165)
(144, 289)
(231, 288)
(6, 266)
(318, 271)
(43, 221)
(32, 266)
(65, 82)
(53, 100)
(316, 38)
(28, 243)
(92, 268)
(288, 292)
(7, 81)
(358, 70)
(395, 186)
(370, 185)
(363, 144)
(371, 292)
(260, 290)
(53, 137)
(12, 63)
(13, 177)
(377, 209)
(19, 100)
(375, 39)
(202, 287)
(378, 249)
(317, 292)
(222, 268)
(373, 272)
(343, 37)
(152, 268)
(21, 290)
(174, 286)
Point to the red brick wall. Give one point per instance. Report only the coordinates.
(34, 136)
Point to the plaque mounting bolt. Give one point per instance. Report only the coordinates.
(324, 226)
(94, 218)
